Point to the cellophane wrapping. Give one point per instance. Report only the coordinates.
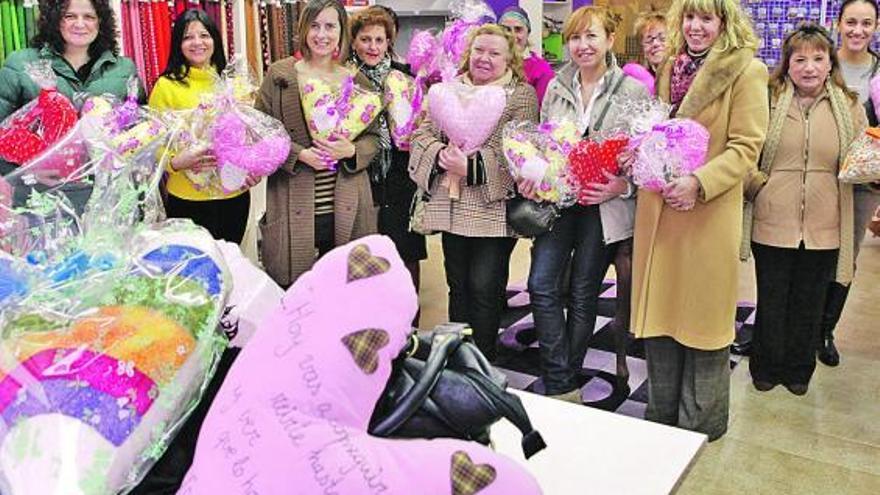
(862, 164)
(108, 326)
(44, 134)
(539, 153)
(246, 142)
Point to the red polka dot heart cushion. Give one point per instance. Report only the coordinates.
(590, 158)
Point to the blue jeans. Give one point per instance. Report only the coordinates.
(576, 236)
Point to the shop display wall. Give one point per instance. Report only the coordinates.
(775, 18)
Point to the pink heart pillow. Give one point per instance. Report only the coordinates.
(293, 411)
(466, 114)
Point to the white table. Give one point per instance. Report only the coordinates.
(592, 452)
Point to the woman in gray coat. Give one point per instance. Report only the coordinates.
(593, 233)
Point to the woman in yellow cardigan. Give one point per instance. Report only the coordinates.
(195, 61)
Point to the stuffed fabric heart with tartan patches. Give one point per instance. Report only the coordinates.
(294, 409)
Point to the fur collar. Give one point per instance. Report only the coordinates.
(714, 78)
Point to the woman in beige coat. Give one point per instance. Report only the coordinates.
(310, 207)
(803, 217)
(477, 241)
(686, 243)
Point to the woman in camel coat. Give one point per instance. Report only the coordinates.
(686, 249)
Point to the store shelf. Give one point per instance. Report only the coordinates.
(424, 13)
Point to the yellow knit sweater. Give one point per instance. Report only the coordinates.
(173, 95)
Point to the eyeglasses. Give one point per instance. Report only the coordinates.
(657, 38)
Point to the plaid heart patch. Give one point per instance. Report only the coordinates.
(364, 346)
(362, 264)
(469, 478)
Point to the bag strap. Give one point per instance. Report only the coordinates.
(441, 348)
(614, 90)
(510, 407)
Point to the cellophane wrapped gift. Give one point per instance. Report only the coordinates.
(862, 164)
(672, 149)
(245, 141)
(338, 109)
(134, 132)
(108, 329)
(593, 158)
(539, 153)
(467, 115)
(44, 133)
(405, 104)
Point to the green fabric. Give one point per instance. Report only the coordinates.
(109, 75)
(6, 26)
(30, 22)
(13, 18)
(2, 43)
(22, 35)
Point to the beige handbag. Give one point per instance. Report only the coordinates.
(417, 211)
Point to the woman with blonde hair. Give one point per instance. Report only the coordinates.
(802, 228)
(687, 238)
(477, 241)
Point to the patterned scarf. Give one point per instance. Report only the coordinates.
(684, 71)
(382, 163)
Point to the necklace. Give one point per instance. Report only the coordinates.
(697, 54)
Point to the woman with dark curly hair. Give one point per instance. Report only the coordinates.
(79, 38)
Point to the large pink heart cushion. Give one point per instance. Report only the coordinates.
(466, 114)
(292, 415)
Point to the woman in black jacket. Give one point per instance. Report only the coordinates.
(373, 31)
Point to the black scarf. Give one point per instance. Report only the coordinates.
(376, 75)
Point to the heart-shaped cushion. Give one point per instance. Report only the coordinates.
(539, 153)
(249, 142)
(404, 99)
(590, 158)
(119, 374)
(31, 130)
(466, 114)
(342, 109)
(294, 410)
(674, 148)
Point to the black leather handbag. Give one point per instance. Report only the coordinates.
(444, 387)
(531, 219)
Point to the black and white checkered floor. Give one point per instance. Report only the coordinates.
(518, 357)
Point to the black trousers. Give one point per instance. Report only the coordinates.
(225, 219)
(475, 273)
(792, 286)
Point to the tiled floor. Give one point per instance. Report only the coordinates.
(827, 442)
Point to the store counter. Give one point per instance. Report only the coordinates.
(594, 452)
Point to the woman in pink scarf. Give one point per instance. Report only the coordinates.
(538, 71)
